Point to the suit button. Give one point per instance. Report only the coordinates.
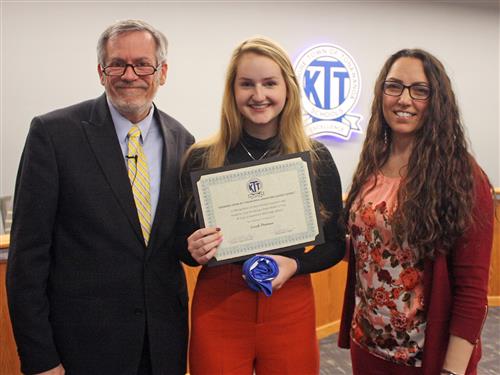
(138, 311)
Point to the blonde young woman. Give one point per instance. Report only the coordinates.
(234, 329)
(420, 218)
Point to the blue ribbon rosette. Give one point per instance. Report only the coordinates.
(259, 272)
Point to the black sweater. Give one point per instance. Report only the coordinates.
(329, 193)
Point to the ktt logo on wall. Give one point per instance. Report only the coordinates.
(331, 86)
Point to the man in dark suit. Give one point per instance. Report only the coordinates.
(93, 280)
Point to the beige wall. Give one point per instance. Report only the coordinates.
(48, 58)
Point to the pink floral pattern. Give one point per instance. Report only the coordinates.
(389, 319)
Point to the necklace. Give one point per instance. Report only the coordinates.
(249, 154)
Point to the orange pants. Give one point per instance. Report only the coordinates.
(235, 330)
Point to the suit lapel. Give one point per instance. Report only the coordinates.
(168, 183)
(104, 142)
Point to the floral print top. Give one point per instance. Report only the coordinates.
(389, 319)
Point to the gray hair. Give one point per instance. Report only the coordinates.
(125, 26)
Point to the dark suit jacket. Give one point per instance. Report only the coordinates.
(82, 286)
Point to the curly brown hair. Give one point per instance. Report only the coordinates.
(436, 195)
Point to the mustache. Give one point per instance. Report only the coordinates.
(124, 85)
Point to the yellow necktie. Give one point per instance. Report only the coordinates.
(139, 179)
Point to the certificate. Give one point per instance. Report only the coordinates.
(263, 206)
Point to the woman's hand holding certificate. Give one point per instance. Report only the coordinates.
(203, 243)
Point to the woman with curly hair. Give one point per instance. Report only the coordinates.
(420, 219)
(235, 330)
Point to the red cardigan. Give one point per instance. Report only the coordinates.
(455, 288)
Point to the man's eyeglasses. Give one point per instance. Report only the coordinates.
(139, 70)
(417, 91)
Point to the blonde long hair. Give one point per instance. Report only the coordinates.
(290, 129)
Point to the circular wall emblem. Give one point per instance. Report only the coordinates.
(331, 86)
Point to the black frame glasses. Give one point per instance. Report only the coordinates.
(139, 70)
(418, 91)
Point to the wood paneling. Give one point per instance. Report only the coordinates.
(329, 288)
(9, 362)
(4, 241)
(494, 282)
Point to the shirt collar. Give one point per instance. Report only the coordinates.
(123, 125)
